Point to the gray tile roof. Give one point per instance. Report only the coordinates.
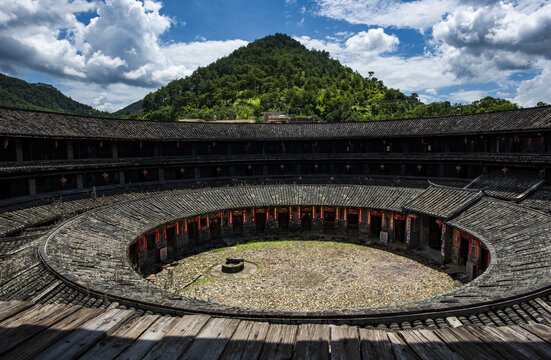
(41, 124)
(442, 202)
(517, 237)
(514, 185)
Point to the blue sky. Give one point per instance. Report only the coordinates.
(110, 53)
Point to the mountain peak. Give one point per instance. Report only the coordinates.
(276, 73)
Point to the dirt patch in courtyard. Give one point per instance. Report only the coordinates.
(305, 276)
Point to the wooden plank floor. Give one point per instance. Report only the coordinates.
(29, 331)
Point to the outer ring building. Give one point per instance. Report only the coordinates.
(465, 190)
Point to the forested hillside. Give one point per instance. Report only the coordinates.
(20, 94)
(279, 73)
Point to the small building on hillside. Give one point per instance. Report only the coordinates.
(280, 117)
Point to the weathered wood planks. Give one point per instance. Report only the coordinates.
(66, 332)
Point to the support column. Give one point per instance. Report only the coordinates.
(264, 169)
(403, 170)
(32, 186)
(121, 178)
(340, 224)
(317, 222)
(384, 235)
(80, 181)
(161, 174)
(363, 226)
(156, 150)
(183, 243)
(441, 170)
(249, 227)
(18, 150)
(294, 224)
(197, 172)
(114, 150)
(194, 148)
(272, 225)
(204, 232)
(70, 150)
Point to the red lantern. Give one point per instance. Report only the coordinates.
(141, 145)
(182, 171)
(105, 176)
(315, 143)
(439, 222)
(101, 144)
(347, 167)
(63, 181)
(218, 170)
(422, 141)
(382, 167)
(5, 143)
(458, 168)
(56, 144)
(178, 145)
(249, 167)
(316, 167)
(144, 172)
(282, 167)
(419, 168)
(505, 170)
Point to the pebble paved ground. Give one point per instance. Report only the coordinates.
(305, 276)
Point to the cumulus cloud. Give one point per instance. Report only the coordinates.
(531, 91)
(468, 41)
(419, 14)
(363, 45)
(120, 45)
(373, 51)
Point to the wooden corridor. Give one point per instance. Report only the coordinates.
(59, 332)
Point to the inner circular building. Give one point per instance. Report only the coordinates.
(399, 226)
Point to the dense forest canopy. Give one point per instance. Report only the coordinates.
(277, 73)
(20, 94)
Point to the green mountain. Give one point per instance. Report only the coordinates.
(23, 95)
(133, 110)
(277, 73)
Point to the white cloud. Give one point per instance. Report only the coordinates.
(468, 95)
(537, 89)
(469, 42)
(361, 45)
(120, 45)
(372, 51)
(419, 14)
(372, 41)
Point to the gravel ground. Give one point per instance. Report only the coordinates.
(305, 276)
